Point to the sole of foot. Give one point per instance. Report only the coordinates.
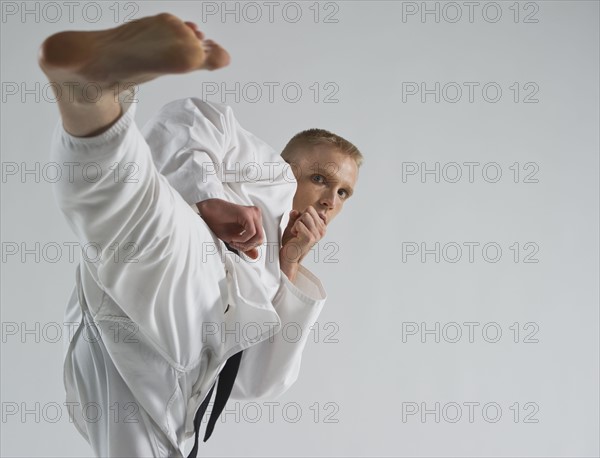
(132, 53)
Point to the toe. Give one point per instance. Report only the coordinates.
(194, 27)
(217, 56)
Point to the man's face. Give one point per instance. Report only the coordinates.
(326, 179)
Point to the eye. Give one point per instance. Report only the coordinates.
(344, 192)
(318, 178)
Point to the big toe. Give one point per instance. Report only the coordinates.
(216, 55)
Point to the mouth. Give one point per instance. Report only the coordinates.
(323, 217)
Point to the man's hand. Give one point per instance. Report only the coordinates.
(238, 225)
(302, 232)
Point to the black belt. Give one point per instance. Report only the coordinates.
(226, 379)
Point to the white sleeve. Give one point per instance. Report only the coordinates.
(187, 139)
(271, 367)
(198, 146)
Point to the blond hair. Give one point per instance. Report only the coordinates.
(312, 137)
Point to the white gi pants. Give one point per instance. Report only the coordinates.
(116, 425)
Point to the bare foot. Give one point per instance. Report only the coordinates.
(132, 53)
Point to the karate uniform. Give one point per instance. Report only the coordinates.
(164, 304)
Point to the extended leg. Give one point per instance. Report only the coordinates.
(151, 264)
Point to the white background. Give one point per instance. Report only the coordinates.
(374, 369)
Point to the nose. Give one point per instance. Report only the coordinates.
(328, 199)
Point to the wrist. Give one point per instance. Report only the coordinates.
(290, 269)
(209, 205)
(203, 204)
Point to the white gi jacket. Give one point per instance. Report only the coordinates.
(161, 316)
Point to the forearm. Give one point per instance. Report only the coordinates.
(269, 368)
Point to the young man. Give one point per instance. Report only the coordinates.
(159, 323)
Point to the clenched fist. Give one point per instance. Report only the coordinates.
(303, 231)
(238, 225)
